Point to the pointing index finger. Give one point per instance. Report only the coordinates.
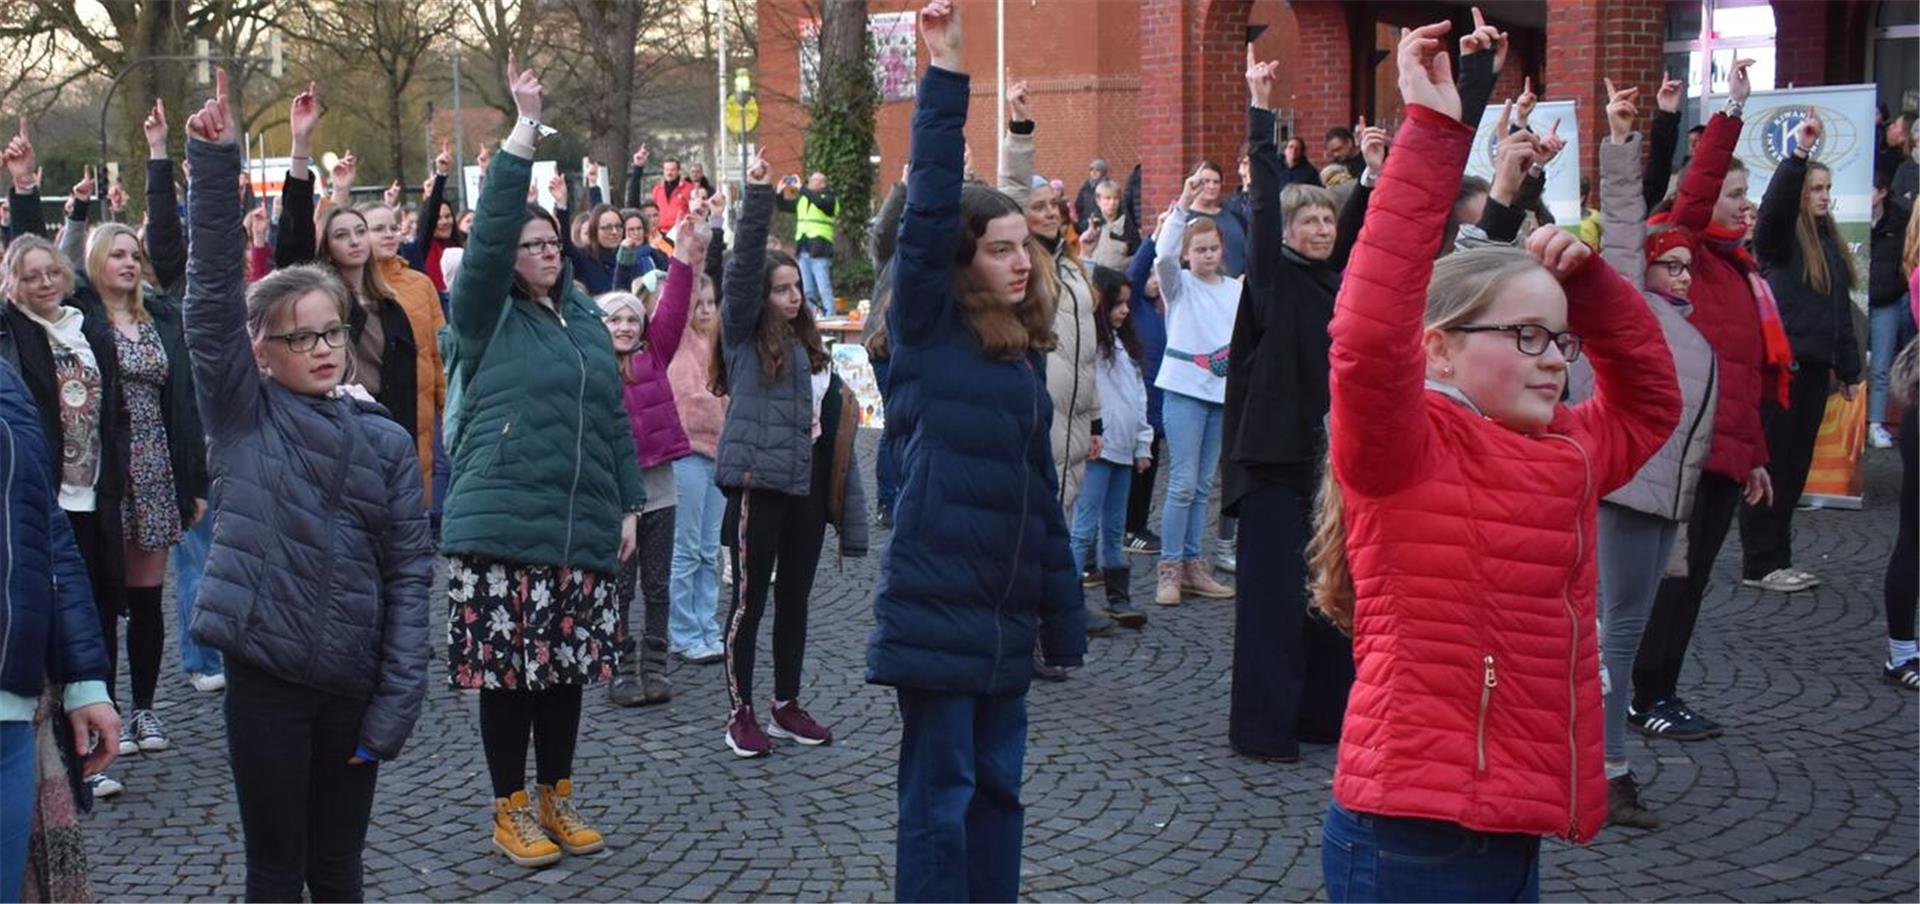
(1479, 21)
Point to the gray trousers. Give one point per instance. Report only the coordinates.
(1633, 552)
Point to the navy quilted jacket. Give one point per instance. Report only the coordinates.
(978, 565)
(48, 627)
(321, 560)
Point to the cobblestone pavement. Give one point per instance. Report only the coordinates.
(1131, 790)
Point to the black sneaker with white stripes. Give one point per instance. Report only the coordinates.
(1664, 720)
(1906, 674)
(1143, 543)
(1685, 712)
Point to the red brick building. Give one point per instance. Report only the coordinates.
(1158, 82)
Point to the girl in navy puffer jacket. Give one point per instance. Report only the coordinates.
(979, 563)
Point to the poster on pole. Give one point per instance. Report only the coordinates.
(1563, 174)
(543, 171)
(1846, 147)
(892, 39)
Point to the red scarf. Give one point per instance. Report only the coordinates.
(1773, 330)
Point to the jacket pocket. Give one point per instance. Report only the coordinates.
(1488, 681)
(504, 438)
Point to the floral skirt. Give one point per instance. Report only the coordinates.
(529, 627)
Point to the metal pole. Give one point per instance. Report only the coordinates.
(459, 174)
(1000, 75)
(720, 93)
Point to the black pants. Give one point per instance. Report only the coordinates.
(1140, 495)
(303, 808)
(507, 717)
(146, 643)
(1902, 591)
(1676, 605)
(97, 534)
(653, 563)
(1291, 668)
(1766, 531)
(763, 529)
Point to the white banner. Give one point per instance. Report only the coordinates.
(543, 171)
(1563, 174)
(1846, 147)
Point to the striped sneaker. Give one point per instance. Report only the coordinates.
(1664, 720)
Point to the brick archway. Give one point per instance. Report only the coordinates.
(1192, 94)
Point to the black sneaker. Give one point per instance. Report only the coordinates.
(1045, 672)
(1906, 674)
(1143, 543)
(1662, 721)
(1624, 807)
(1712, 728)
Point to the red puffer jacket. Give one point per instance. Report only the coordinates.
(1477, 694)
(1723, 308)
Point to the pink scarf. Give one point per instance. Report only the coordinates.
(1778, 351)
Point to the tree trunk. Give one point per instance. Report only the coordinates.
(840, 133)
(397, 131)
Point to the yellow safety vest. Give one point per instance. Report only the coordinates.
(810, 221)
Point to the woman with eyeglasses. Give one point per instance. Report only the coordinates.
(600, 265)
(1454, 529)
(384, 357)
(1640, 522)
(317, 583)
(72, 368)
(545, 500)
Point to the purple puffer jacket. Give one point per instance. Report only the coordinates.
(657, 433)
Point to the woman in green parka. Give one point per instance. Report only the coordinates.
(543, 501)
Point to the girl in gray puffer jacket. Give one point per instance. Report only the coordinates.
(316, 586)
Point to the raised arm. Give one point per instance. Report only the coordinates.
(1700, 187)
(1016, 147)
(669, 321)
(486, 271)
(1773, 232)
(406, 579)
(1266, 227)
(1173, 228)
(1663, 138)
(1483, 51)
(886, 225)
(1374, 143)
(294, 241)
(742, 296)
(1623, 209)
(1637, 400)
(636, 177)
(225, 377)
(24, 197)
(415, 251)
(1378, 434)
(166, 239)
(922, 305)
(73, 238)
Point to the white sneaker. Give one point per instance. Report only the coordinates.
(1784, 580)
(208, 684)
(128, 746)
(103, 785)
(1227, 561)
(1879, 437)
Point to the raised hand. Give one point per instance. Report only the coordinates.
(83, 189)
(117, 197)
(303, 114)
(1426, 75)
(1259, 80)
(1551, 144)
(1558, 250)
(524, 85)
(1739, 83)
(940, 29)
(20, 161)
(759, 173)
(1806, 136)
(344, 170)
(1189, 192)
(717, 203)
(1483, 38)
(1512, 157)
(690, 240)
(214, 121)
(155, 127)
(592, 173)
(1017, 102)
(485, 155)
(557, 187)
(256, 222)
(391, 197)
(640, 155)
(1523, 108)
(1668, 97)
(1374, 142)
(1622, 111)
(443, 161)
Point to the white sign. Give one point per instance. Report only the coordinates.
(1562, 195)
(543, 171)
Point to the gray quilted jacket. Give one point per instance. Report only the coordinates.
(767, 440)
(1665, 484)
(321, 562)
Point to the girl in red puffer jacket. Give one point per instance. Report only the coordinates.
(1454, 537)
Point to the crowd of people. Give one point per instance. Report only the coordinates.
(1474, 468)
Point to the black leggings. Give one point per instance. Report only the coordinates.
(772, 529)
(97, 534)
(552, 716)
(1140, 496)
(1903, 563)
(146, 642)
(652, 563)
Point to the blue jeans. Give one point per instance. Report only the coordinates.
(1101, 513)
(959, 789)
(886, 465)
(1389, 858)
(1633, 550)
(189, 563)
(1883, 343)
(17, 782)
(1193, 455)
(816, 281)
(694, 595)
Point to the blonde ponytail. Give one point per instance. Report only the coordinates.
(1329, 579)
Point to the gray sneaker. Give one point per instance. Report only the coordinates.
(149, 732)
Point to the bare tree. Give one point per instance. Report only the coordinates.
(393, 37)
(840, 129)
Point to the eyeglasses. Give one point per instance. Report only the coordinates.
(610, 227)
(1530, 338)
(540, 246)
(1675, 269)
(49, 277)
(306, 340)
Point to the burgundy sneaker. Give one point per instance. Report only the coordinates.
(793, 723)
(744, 736)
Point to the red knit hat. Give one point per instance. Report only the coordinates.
(1661, 241)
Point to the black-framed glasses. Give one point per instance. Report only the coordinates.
(540, 246)
(305, 340)
(1675, 269)
(1530, 338)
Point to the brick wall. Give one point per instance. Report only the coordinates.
(1588, 40)
(1800, 42)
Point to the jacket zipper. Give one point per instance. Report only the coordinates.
(1020, 533)
(1573, 643)
(1713, 386)
(1486, 702)
(1073, 396)
(579, 432)
(6, 516)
